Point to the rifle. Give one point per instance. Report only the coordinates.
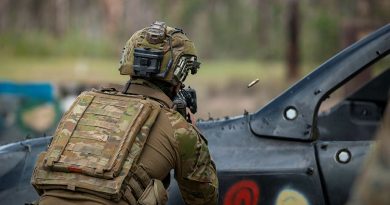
(186, 98)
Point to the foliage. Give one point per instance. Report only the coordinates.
(324, 37)
(245, 29)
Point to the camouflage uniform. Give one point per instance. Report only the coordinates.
(373, 185)
(170, 143)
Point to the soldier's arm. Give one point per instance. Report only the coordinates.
(195, 172)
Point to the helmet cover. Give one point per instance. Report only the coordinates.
(159, 52)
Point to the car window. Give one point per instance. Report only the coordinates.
(354, 110)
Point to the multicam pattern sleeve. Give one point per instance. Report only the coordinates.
(195, 171)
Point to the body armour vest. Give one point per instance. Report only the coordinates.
(97, 144)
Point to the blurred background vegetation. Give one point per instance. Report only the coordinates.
(73, 41)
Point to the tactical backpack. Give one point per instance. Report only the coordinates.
(97, 144)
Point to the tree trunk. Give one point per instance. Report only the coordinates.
(293, 26)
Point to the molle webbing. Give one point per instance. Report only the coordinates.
(96, 144)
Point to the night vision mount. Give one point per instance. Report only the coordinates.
(147, 62)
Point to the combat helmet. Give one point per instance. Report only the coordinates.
(159, 52)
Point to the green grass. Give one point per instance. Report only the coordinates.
(41, 44)
(96, 70)
(222, 71)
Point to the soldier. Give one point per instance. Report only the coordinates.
(118, 147)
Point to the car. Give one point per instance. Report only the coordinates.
(285, 153)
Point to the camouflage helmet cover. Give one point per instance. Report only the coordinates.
(174, 45)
